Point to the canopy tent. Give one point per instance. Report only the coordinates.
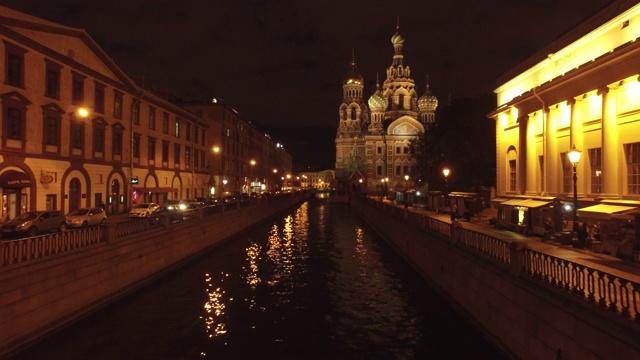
(605, 211)
(529, 203)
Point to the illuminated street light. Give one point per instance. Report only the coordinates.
(446, 172)
(83, 112)
(574, 157)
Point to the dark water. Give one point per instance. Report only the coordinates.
(315, 283)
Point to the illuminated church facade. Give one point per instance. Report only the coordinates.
(374, 135)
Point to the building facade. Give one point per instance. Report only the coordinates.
(374, 136)
(583, 91)
(129, 145)
(242, 158)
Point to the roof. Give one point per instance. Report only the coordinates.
(605, 211)
(530, 203)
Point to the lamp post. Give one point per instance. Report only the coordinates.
(446, 172)
(574, 157)
(251, 182)
(217, 187)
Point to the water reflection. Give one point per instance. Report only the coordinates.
(316, 283)
(214, 308)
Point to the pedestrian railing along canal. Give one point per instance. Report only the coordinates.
(594, 285)
(29, 249)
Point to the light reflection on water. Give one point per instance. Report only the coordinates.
(316, 283)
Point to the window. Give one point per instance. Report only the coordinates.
(512, 175)
(398, 170)
(165, 123)
(202, 161)
(14, 60)
(187, 156)
(405, 150)
(632, 153)
(117, 104)
(15, 122)
(398, 151)
(118, 132)
(176, 154)
(379, 170)
(405, 170)
(177, 128)
(99, 98)
(99, 126)
(77, 88)
(52, 118)
(165, 152)
(152, 149)
(195, 134)
(52, 80)
(595, 160)
(195, 159)
(51, 130)
(379, 150)
(77, 135)
(566, 172)
(152, 118)
(202, 137)
(188, 132)
(136, 146)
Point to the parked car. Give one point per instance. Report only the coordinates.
(84, 217)
(173, 204)
(229, 199)
(32, 223)
(143, 209)
(172, 212)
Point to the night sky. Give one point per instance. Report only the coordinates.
(281, 62)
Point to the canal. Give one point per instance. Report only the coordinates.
(313, 283)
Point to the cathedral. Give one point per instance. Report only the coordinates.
(374, 136)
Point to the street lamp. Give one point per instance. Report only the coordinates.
(216, 151)
(574, 157)
(252, 174)
(446, 172)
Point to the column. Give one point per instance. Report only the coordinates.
(529, 146)
(609, 132)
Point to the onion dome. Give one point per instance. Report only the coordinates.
(397, 39)
(353, 77)
(377, 101)
(427, 102)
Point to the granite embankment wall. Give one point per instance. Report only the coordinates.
(42, 296)
(525, 319)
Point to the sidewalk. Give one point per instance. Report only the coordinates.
(606, 263)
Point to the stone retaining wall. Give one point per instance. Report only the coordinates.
(524, 319)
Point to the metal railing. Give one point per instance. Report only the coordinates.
(609, 291)
(28, 249)
(597, 286)
(22, 250)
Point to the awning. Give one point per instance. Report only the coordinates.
(529, 203)
(154, 190)
(14, 179)
(605, 211)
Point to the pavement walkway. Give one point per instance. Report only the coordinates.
(609, 264)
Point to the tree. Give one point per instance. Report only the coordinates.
(462, 139)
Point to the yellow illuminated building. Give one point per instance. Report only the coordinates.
(580, 90)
